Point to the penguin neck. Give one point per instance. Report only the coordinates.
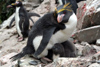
(55, 16)
(17, 9)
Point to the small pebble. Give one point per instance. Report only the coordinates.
(33, 62)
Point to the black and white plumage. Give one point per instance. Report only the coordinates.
(29, 15)
(21, 19)
(72, 2)
(54, 27)
(65, 49)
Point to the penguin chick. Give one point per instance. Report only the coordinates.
(65, 49)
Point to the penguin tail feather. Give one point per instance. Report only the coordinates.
(18, 56)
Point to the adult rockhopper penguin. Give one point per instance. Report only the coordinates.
(54, 27)
(21, 19)
(65, 49)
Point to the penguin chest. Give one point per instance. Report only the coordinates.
(17, 19)
(63, 35)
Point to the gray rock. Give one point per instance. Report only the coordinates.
(88, 34)
(6, 22)
(85, 50)
(98, 42)
(98, 61)
(96, 58)
(79, 49)
(88, 50)
(95, 65)
(88, 14)
(69, 62)
(96, 47)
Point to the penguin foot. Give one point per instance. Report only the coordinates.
(20, 39)
(17, 36)
(45, 60)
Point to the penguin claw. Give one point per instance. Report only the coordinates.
(35, 56)
(48, 60)
(17, 36)
(20, 39)
(13, 58)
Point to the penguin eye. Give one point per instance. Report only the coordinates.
(64, 12)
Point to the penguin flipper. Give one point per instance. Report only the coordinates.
(46, 37)
(13, 19)
(31, 19)
(33, 14)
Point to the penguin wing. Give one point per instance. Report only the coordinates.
(47, 33)
(21, 22)
(33, 14)
(31, 19)
(13, 19)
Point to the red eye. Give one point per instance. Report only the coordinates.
(64, 12)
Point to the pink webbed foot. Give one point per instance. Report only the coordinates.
(20, 39)
(45, 60)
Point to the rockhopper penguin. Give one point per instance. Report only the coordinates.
(54, 27)
(21, 19)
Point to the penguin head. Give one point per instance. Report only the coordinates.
(16, 4)
(62, 11)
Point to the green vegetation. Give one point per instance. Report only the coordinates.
(4, 11)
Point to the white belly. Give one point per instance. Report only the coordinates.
(58, 37)
(17, 19)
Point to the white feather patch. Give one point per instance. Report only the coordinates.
(17, 19)
(37, 41)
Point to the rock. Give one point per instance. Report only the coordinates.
(95, 65)
(85, 50)
(84, 43)
(33, 62)
(88, 50)
(98, 61)
(96, 57)
(96, 47)
(6, 59)
(7, 22)
(89, 35)
(88, 14)
(79, 49)
(98, 42)
(43, 8)
(69, 62)
(80, 14)
(27, 61)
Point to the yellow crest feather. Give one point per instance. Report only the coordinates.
(66, 5)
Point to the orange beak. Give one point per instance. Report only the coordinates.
(60, 18)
